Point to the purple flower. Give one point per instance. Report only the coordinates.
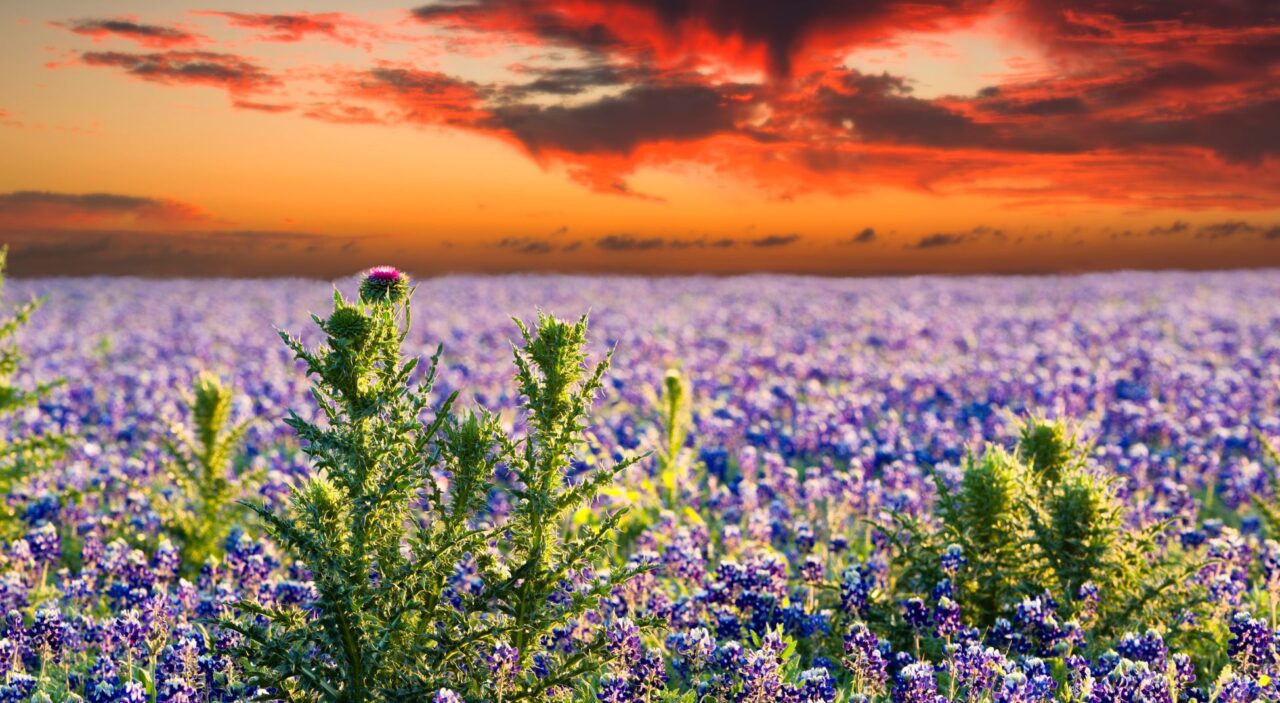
(953, 560)
(946, 617)
(624, 640)
(446, 695)
(916, 613)
(916, 684)
(504, 665)
(1252, 646)
(864, 657)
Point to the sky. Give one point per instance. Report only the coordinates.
(832, 137)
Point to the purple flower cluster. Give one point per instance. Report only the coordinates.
(819, 408)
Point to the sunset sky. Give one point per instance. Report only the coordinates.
(654, 136)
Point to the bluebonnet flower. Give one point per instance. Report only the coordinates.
(1237, 689)
(916, 613)
(614, 689)
(504, 665)
(855, 587)
(812, 568)
(946, 618)
(813, 686)
(1252, 646)
(916, 683)
(624, 640)
(45, 544)
(863, 657)
(1149, 648)
(953, 560)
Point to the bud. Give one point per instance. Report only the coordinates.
(675, 386)
(384, 284)
(349, 324)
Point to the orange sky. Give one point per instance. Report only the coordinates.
(637, 136)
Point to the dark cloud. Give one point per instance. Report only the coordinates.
(629, 242)
(526, 245)
(946, 239)
(879, 108)
(1178, 227)
(619, 124)
(425, 97)
(1223, 230)
(261, 107)
(1068, 105)
(940, 239)
(866, 236)
(19, 208)
(570, 80)
(226, 71)
(775, 240)
(149, 35)
(1154, 92)
(185, 253)
(296, 27)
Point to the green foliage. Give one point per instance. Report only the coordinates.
(983, 515)
(1057, 528)
(558, 389)
(19, 456)
(678, 481)
(1268, 509)
(1076, 528)
(203, 470)
(1048, 448)
(395, 509)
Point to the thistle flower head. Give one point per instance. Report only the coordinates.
(384, 284)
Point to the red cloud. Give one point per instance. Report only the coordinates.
(1151, 104)
(299, 26)
(782, 37)
(227, 71)
(149, 35)
(261, 107)
(423, 97)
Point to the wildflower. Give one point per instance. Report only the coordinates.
(916, 613)
(855, 588)
(446, 695)
(946, 617)
(916, 684)
(384, 284)
(504, 665)
(864, 658)
(953, 560)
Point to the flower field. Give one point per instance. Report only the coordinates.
(781, 489)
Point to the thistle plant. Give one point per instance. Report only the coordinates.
(396, 511)
(19, 456)
(677, 477)
(1039, 520)
(1048, 448)
(1076, 529)
(1268, 510)
(984, 516)
(204, 472)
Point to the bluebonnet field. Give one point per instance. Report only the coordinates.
(840, 490)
